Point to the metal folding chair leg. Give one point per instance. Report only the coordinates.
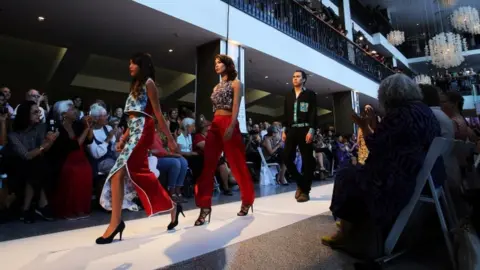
(446, 232)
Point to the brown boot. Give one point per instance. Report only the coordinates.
(304, 197)
(297, 193)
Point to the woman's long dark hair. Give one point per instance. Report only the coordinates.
(229, 66)
(22, 119)
(146, 70)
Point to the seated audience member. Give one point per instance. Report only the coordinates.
(222, 168)
(452, 106)
(344, 151)
(320, 148)
(375, 193)
(174, 165)
(252, 144)
(4, 121)
(273, 152)
(39, 99)
(27, 168)
(71, 169)
(103, 154)
(431, 97)
(78, 107)
(185, 144)
(173, 120)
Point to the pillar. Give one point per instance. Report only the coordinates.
(206, 78)
(344, 103)
(346, 17)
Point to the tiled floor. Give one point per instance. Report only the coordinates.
(147, 245)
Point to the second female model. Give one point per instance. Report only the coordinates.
(142, 108)
(224, 135)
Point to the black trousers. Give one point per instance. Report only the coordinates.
(296, 137)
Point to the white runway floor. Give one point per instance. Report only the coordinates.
(147, 245)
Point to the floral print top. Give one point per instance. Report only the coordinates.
(138, 104)
(222, 96)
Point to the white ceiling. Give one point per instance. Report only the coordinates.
(406, 14)
(119, 28)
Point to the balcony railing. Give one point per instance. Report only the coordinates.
(293, 19)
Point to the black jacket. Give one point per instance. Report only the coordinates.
(306, 109)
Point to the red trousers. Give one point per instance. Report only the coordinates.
(234, 151)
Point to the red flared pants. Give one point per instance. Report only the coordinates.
(234, 151)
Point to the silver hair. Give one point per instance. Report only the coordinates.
(397, 89)
(187, 122)
(61, 107)
(97, 110)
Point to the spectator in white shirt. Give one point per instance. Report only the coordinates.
(184, 141)
(103, 154)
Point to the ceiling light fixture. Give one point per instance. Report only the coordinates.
(287, 82)
(41, 19)
(171, 50)
(396, 37)
(266, 77)
(360, 38)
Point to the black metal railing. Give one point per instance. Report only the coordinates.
(302, 24)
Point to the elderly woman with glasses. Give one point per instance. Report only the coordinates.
(72, 170)
(374, 193)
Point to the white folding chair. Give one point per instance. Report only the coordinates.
(269, 166)
(440, 146)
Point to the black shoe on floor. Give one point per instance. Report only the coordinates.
(45, 212)
(304, 197)
(28, 217)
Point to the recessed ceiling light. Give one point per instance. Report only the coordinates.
(41, 19)
(266, 77)
(287, 82)
(171, 50)
(418, 24)
(374, 52)
(361, 38)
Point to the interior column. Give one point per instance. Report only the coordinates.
(344, 103)
(206, 78)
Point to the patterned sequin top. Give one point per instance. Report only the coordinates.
(222, 96)
(362, 147)
(139, 104)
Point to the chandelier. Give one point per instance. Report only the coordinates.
(466, 19)
(396, 37)
(446, 50)
(423, 79)
(447, 3)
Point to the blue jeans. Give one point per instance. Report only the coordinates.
(175, 168)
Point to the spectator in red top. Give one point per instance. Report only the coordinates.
(173, 165)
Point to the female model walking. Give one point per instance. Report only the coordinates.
(224, 135)
(132, 164)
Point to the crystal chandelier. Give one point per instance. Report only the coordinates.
(423, 79)
(447, 3)
(466, 19)
(446, 50)
(396, 37)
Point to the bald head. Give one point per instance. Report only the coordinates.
(32, 95)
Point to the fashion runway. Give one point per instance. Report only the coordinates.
(147, 245)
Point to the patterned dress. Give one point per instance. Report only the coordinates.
(134, 157)
(378, 190)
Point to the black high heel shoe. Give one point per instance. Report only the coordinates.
(244, 210)
(204, 213)
(174, 224)
(109, 239)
